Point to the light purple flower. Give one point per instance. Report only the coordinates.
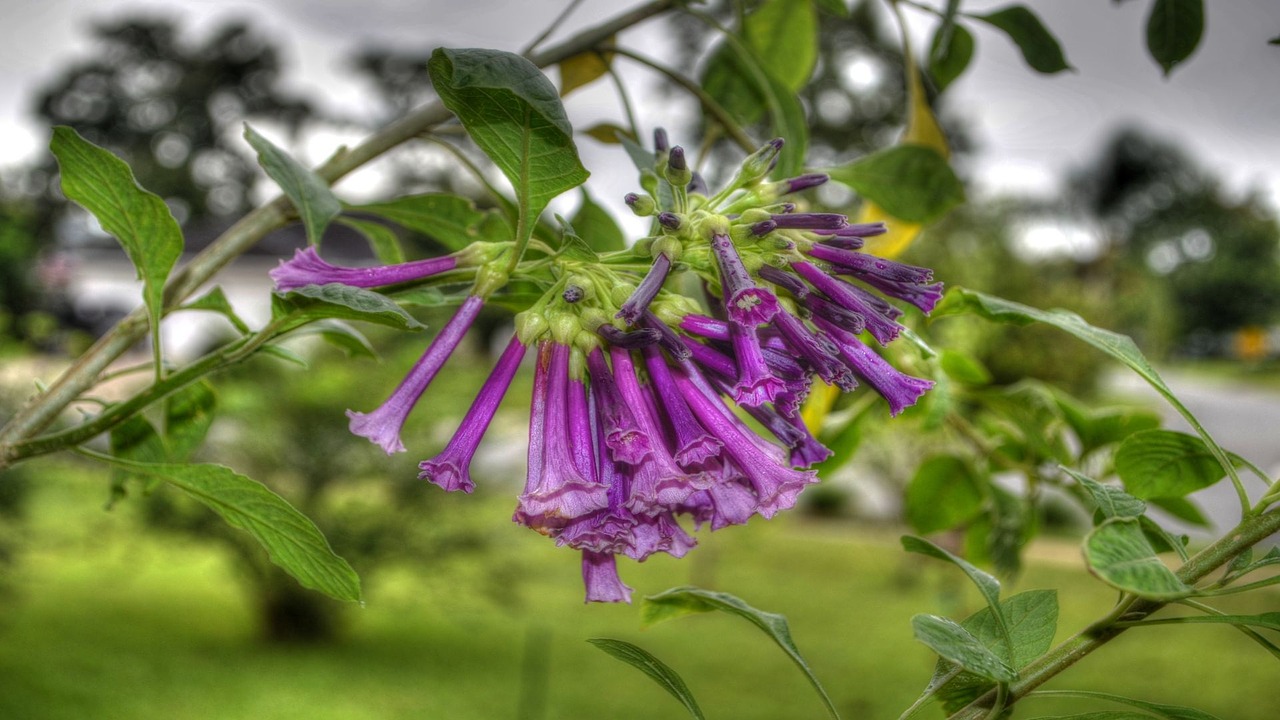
(307, 268)
(450, 469)
(600, 576)
(382, 426)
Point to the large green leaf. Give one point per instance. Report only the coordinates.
(513, 112)
(1120, 555)
(1040, 49)
(948, 62)
(946, 491)
(681, 601)
(1164, 463)
(1119, 347)
(104, 185)
(660, 672)
(783, 36)
(450, 220)
(956, 645)
(188, 414)
(1033, 620)
(910, 182)
(335, 300)
(1174, 28)
(290, 538)
(310, 195)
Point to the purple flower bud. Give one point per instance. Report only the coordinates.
(745, 302)
(764, 227)
(804, 182)
(676, 160)
(382, 426)
(638, 303)
(811, 221)
(451, 468)
(862, 230)
(706, 327)
(641, 205)
(573, 294)
(633, 340)
(600, 576)
(846, 319)
(306, 268)
(900, 390)
(844, 243)
(669, 220)
(660, 142)
(817, 350)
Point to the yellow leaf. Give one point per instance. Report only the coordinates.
(891, 244)
(582, 69)
(818, 405)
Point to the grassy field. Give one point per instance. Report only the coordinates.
(101, 620)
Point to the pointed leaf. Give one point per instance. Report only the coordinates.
(681, 601)
(104, 185)
(1164, 463)
(957, 645)
(450, 220)
(382, 240)
(783, 36)
(948, 62)
(216, 300)
(1120, 555)
(987, 585)
(1040, 49)
(290, 538)
(335, 300)
(513, 113)
(310, 195)
(964, 368)
(659, 671)
(1174, 28)
(910, 182)
(1111, 501)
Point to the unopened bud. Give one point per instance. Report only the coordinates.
(641, 205)
(669, 220)
(660, 143)
(759, 163)
(678, 172)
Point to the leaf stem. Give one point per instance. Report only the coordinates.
(44, 408)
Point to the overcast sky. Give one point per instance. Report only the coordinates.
(1223, 105)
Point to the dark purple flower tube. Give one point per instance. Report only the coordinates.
(925, 297)
(784, 280)
(811, 221)
(707, 327)
(745, 302)
(815, 349)
(860, 264)
(804, 182)
(561, 491)
(847, 319)
(711, 360)
(306, 268)
(636, 305)
(451, 468)
(623, 435)
(600, 576)
(382, 426)
(694, 446)
(668, 339)
(634, 339)
(858, 230)
(883, 329)
(900, 390)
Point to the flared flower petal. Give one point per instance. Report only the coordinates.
(600, 576)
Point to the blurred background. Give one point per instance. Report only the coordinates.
(1147, 204)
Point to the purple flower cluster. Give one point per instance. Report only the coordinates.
(635, 420)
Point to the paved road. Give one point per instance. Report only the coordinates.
(1243, 419)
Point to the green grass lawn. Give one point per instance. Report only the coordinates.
(100, 620)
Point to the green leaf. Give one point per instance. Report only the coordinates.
(783, 36)
(1120, 555)
(450, 220)
(945, 492)
(681, 601)
(310, 195)
(957, 645)
(1170, 712)
(987, 585)
(1174, 28)
(382, 240)
(1182, 509)
(910, 182)
(335, 300)
(964, 368)
(1119, 347)
(343, 336)
(597, 226)
(1112, 502)
(105, 186)
(1040, 49)
(1164, 463)
(216, 301)
(1033, 620)
(189, 413)
(290, 538)
(513, 113)
(946, 63)
(134, 439)
(659, 671)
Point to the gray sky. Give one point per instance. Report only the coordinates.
(1223, 106)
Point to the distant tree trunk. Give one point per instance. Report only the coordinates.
(292, 614)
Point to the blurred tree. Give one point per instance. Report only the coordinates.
(173, 110)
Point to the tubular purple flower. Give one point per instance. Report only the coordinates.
(858, 230)
(815, 349)
(847, 319)
(623, 435)
(862, 264)
(784, 280)
(711, 360)
(900, 390)
(804, 182)
(638, 303)
(634, 339)
(561, 492)
(725, 503)
(745, 302)
(667, 338)
(600, 576)
(756, 384)
(451, 468)
(382, 426)
(764, 227)
(694, 447)
(307, 268)
(883, 329)
(811, 221)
